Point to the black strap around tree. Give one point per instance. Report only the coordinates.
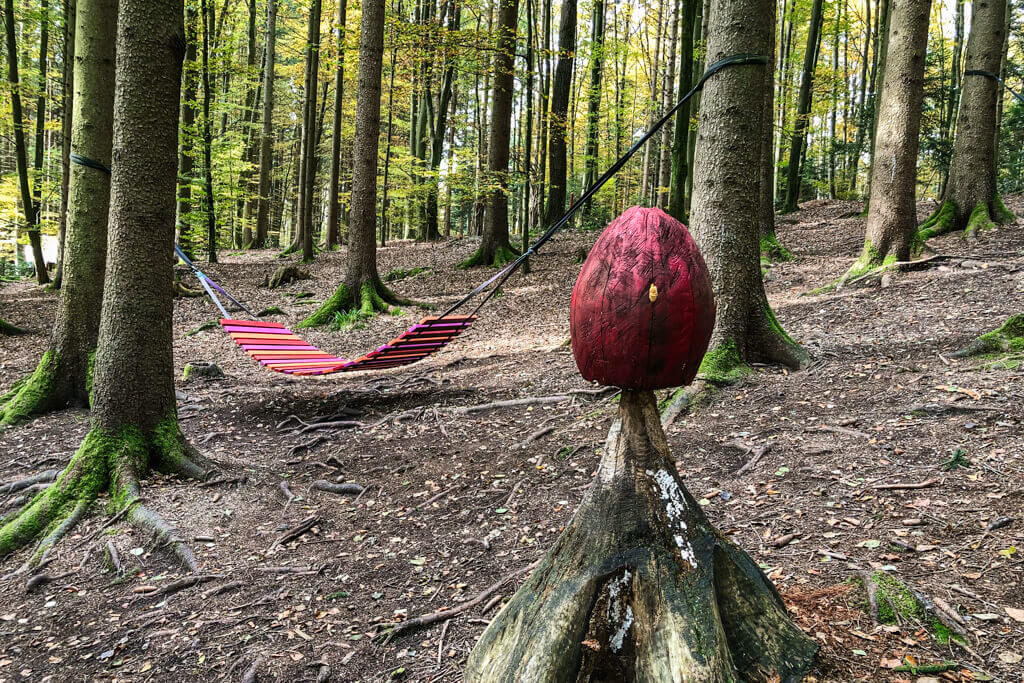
(499, 279)
(997, 79)
(89, 163)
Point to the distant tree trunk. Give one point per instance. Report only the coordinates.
(803, 109)
(267, 135)
(211, 216)
(333, 205)
(972, 201)
(863, 115)
(892, 213)
(700, 24)
(834, 109)
(560, 91)
(62, 377)
(495, 248)
(431, 231)
(245, 180)
(39, 146)
(30, 206)
(362, 289)
(186, 162)
(770, 247)
(528, 136)
(594, 98)
(681, 136)
(68, 88)
(668, 90)
(385, 200)
(953, 100)
(730, 152)
(307, 158)
(884, 18)
(134, 419)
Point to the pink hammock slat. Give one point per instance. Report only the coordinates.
(276, 347)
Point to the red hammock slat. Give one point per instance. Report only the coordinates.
(275, 346)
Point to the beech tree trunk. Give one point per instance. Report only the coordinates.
(727, 212)
(681, 130)
(641, 587)
(557, 119)
(495, 248)
(892, 224)
(362, 289)
(208, 201)
(29, 203)
(62, 377)
(267, 136)
(70, 11)
(134, 420)
(594, 99)
(972, 201)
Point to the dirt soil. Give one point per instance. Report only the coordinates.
(454, 502)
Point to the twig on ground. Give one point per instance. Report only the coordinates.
(228, 481)
(250, 674)
(901, 486)
(296, 531)
(513, 403)
(222, 588)
(329, 487)
(186, 582)
(287, 492)
(757, 453)
(445, 614)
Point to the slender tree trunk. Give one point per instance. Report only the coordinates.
(307, 157)
(70, 12)
(664, 188)
(528, 136)
(864, 113)
(186, 161)
(730, 152)
(560, 91)
(803, 109)
(681, 137)
(892, 224)
(30, 206)
(62, 377)
(972, 201)
(594, 98)
(700, 38)
(362, 289)
(771, 248)
(953, 100)
(267, 136)
(385, 200)
(134, 419)
(832, 144)
(877, 78)
(431, 230)
(249, 151)
(495, 248)
(333, 205)
(39, 145)
(211, 216)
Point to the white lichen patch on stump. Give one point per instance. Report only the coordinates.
(618, 618)
(675, 508)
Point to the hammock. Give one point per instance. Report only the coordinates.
(276, 347)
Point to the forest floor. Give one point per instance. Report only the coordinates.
(457, 502)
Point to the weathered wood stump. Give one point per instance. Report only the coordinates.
(640, 586)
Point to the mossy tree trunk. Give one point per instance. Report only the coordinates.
(727, 211)
(362, 289)
(495, 248)
(892, 226)
(134, 421)
(62, 377)
(971, 201)
(641, 587)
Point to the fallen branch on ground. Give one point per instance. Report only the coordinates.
(513, 403)
(902, 486)
(296, 531)
(329, 487)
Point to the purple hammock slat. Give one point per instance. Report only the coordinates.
(418, 342)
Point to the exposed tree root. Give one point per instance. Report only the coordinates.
(949, 217)
(1008, 338)
(641, 587)
(502, 255)
(44, 477)
(105, 463)
(10, 330)
(373, 298)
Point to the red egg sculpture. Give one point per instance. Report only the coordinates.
(643, 308)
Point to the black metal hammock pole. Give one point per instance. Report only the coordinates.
(504, 274)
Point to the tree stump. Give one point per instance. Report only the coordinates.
(641, 587)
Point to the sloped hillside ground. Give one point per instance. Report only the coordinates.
(847, 475)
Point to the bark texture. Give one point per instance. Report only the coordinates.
(727, 215)
(892, 226)
(972, 201)
(362, 290)
(62, 377)
(641, 587)
(134, 420)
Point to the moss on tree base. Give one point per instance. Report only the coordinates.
(49, 387)
(772, 250)
(503, 255)
(106, 463)
(1007, 339)
(641, 587)
(373, 298)
(948, 218)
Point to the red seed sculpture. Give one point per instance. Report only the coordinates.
(640, 586)
(642, 310)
